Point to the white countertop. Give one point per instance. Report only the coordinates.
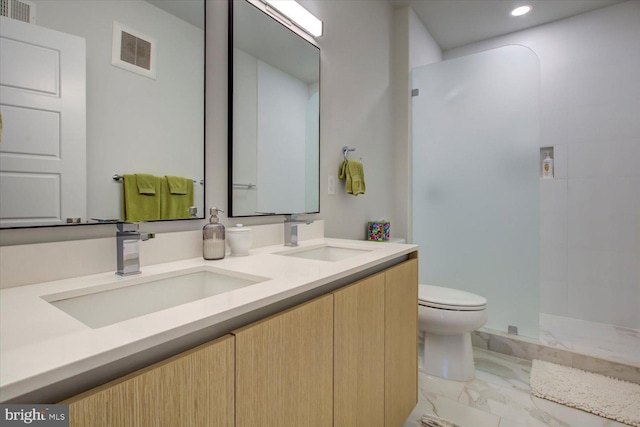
(41, 345)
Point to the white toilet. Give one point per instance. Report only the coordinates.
(446, 317)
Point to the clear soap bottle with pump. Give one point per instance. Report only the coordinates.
(213, 237)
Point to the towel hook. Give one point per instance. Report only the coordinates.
(346, 150)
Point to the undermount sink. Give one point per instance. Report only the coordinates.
(112, 303)
(326, 252)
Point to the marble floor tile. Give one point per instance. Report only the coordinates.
(495, 367)
(604, 367)
(568, 416)
(506, 402)
(439, 386)
(450, 410)
(602, 340)
(480, 339)
(515, 407)
(498, 396)
(529, 349)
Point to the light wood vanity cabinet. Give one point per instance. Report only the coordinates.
(401, 342)
(284, 368)
(346, 359)
(359, 353)
(375, 353)
(194, 388)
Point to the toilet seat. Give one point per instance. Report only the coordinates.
(449, 299)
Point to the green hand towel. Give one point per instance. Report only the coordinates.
(146, 183)
(356, 170)
(344, 174)
(353, 173)
(175, 205)
(177, 184)
(136, 206)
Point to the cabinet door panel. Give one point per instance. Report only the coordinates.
(359, 354)
(194, 388)
(401, 342)
(284, 368)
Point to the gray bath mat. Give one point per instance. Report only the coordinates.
(607, 397)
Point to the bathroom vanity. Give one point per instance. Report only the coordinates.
(323, 332)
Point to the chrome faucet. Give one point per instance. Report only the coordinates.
(291, 229)
(128, 248)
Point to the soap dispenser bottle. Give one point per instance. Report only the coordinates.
(547, 167)
(213, 234)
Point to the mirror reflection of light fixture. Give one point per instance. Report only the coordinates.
(299, 15)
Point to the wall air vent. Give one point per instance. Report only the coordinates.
(20, 10)
(133, 51)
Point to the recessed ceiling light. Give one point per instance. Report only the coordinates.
(519, 11)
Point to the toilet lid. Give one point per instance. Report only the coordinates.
(450, 299)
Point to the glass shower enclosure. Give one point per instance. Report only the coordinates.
(475, 180)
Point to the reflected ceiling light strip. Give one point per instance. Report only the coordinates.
(299, 15)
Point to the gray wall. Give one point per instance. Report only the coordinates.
(356, 110)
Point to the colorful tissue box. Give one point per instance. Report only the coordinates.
(378, 230)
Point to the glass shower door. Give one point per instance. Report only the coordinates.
(475, 186)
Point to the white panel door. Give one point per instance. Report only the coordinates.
(43, 147)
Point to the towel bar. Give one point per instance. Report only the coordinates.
(248, 186)
(118, 178)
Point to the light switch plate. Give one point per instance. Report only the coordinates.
(331, 185)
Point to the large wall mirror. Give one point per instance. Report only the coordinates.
(274, 106)
(96, 88)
